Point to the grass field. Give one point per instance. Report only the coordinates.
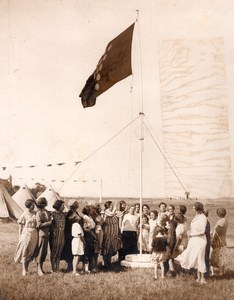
(116, 283)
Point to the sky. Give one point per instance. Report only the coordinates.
(50, 48)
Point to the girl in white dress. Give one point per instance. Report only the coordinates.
(152, 224)
(144, 235)
(194, 255)
(77, 245)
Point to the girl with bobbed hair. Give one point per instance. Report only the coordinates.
(56, 239)
(181, 235)
(28, 236)
(218, 243)
(198, 207)
(107, 204)
(44, 221)
(91, 245)
(194, 255)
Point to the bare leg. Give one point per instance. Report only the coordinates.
(211, 271)
(203, 280)
(162, 269)
(86, 268)
(75, 263)
(156, 270)
(171, 265)
(24, 272)
(198, 276)
(40, 269)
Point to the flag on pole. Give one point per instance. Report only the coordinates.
(114, 65)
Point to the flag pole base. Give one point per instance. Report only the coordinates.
(137, 261)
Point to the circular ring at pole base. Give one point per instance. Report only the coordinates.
(137, 261)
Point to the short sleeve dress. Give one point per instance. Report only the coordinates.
(28, 239)
(194, 255)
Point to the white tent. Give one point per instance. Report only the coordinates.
(51, 196)
(22, 195)
(9, 209)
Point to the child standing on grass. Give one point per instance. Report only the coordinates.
(144, 235)
(159, 250)
(77, 245)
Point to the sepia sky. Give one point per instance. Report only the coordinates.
(50, 48)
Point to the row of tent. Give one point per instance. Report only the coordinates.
(11, 207)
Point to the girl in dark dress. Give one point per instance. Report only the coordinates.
(159, 250)
(72, 216)
(44, 221)
(56, 239)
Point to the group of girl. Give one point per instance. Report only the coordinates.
(177, 247)
(73, 237)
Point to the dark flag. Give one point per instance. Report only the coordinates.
(114, 65)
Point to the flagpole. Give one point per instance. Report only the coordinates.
(141, 133)
(141, 173)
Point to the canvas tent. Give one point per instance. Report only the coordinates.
(9, 209)
(51, 196)
(22, 195)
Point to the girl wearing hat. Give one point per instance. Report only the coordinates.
(44, 222)
(28, 236)
(56, 239)
(218, 243)
(72, 216)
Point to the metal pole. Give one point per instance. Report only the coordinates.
(141, 174)
(142, 132)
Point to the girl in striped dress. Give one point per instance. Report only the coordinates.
(111, 233)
